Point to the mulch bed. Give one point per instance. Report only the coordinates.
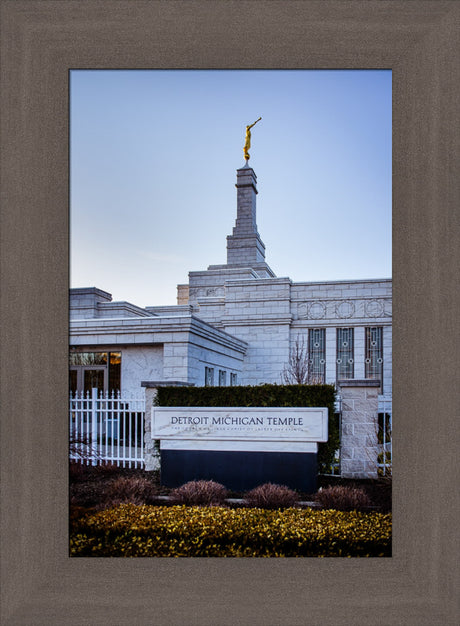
(379, 490)
(87, 485)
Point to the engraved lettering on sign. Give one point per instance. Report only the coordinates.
(248, 424)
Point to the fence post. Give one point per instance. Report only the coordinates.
(385, 408)
(94, 425)
(152, 457)
(359, 441)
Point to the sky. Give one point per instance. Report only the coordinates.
(153, 160)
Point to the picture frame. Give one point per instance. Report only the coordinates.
(41, 42)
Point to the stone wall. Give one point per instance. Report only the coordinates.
(140, 363)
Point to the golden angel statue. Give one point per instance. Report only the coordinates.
(247, 143)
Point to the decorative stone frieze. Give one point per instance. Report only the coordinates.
(374, 308)
(344, 309)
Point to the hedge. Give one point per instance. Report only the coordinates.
(180, 531)
(268, 395)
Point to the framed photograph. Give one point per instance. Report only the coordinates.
(41, 43)
(299, 291)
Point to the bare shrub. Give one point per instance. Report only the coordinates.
(106, 468)
(82, 449)
(343, 498)
(128, 489)
(82, 472)
(201, 492)
(270, 496)
(84, 495)
(77, 472)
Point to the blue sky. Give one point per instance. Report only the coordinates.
(154, 155)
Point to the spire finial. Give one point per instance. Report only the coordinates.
(247, 143)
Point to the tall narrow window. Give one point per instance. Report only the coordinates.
(233, 379)
(317, 355)
(114, 372)
(374, 353)
(73, 380)
(345, 358)
(222, 378)
(209, 376)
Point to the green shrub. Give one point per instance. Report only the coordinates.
(270, 496)
(343, 498)
(180, 531)
(268, 395)
(200, 492)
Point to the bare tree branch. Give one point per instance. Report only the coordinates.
(296, 370)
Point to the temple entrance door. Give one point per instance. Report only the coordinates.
(94, 377)
(84, 378)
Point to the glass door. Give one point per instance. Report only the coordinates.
(73, 380)
(94, 377)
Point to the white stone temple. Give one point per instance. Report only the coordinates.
(234, 324)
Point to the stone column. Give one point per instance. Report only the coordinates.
(359, 356)
(331, 355)
(387, 359)
(152, 459)
(359, 440)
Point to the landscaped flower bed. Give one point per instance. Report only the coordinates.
(185, 531)
(98, 487)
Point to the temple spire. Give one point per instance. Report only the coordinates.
(244, 246)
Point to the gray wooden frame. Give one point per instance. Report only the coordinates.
(40, 41)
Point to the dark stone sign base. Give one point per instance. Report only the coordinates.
(240, 471)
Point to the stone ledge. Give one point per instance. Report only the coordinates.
(367, 382)
(165, 383)
(90, 291)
